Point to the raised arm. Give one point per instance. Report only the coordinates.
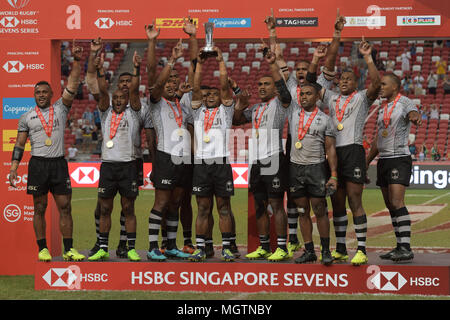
(103, 103)
(190, 29)
(135, 101)
(270, 22)
(197, 98)
(242, 103)
(330, 60)
(226, 95)
(280, 84)
(152, 35)
(91, 73)
(311, 76)
(158, 88)
(375, 81)
(74, 78)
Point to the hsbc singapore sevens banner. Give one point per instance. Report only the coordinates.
(114, 19)
(243, 277)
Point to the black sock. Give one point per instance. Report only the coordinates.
(42, 244)
(187, 235)
(404, 227)
(309, 246)
(226, 240)
(264, 240)
(325, 243)
(68, 244)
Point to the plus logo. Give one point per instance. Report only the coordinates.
(9, 22)
(13, 66)
(104, 23)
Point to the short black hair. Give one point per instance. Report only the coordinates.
(317, 87)
(394, 78)
(349, 71)
(205, 87)
(125, 74)
(43, 82)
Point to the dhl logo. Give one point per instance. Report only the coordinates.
(9, 140)
(172, 22)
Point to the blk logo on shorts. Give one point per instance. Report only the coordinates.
(357, 173)
(395, 174)
(276, 183)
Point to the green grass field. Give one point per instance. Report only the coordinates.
(84, 202)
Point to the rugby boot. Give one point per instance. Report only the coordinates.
(339, 257)
(198, 256)
(133, 255)
(307, 257)
(73, 255)
(359, 258)
(99, 255)
(388, 255)
(278, 255)
(258, 254)
(325, 257)
(402, 254)
(44, 255)
(176, 254)
(227, 255)
(156, 255)
(122, 251)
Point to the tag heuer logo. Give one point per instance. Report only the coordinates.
(104, 23)
(9, 22)
(13, 66)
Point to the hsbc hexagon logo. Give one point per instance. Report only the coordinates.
(13, 66)
(388, 281)
(18, 4)
(60, 277)
(104, 23)
(9, 22)
(85, 175)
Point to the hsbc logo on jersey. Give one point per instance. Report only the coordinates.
(85, 175)
(13, 66)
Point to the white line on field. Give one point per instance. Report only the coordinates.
(436, 198)
(83, 199)
(418, 195)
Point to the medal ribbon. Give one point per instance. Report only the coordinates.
(257, 120)
(299, 90)
(115, 121)
(179, 116)
(209, 119)
(386, 115)
(47, 127)
(340, 114)
(303, 130)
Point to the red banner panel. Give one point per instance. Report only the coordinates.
(242, 277)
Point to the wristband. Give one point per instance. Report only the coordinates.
(69, 92)
(17, 154)
(236, 90)
(138, 71)
(333, 177)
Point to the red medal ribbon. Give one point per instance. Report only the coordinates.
(179, 116)
(303, 130)
(299, 90)
(115, 121)
(257, 120)
(209, 119)
(340, 114)
(386, 116)
(47, 127)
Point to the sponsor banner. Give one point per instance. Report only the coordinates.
(86, 175)
(419, 20)
(13, 108)
(297, 22)
(242, 277)
(231, 22)
(366, 21)
(9, 141)
(423, 176)
(114, 19)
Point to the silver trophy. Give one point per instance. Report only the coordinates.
(208, 50)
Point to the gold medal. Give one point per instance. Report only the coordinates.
(48, 142)
(384, 133)
(256, 133)
(109, 144)
(340, 126)
(298, 145)
(206, 139)
(180, 132)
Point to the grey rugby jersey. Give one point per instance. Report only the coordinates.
(396, 143)
(292, 87)
(270, 129)
(145, 121)
(166, 127)
(126, 138)
(30, 122)
(313, 143)
(219, 133)
(353, 119)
